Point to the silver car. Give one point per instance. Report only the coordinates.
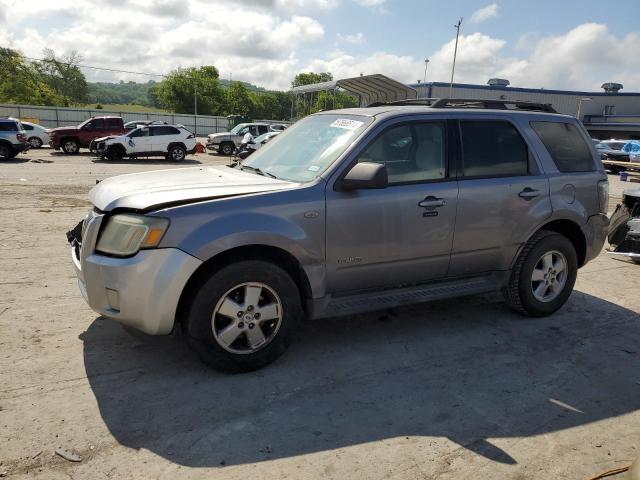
(349, 211)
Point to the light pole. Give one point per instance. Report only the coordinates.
(426, 64)
(584, 99)
(455, 53)
(195, 99)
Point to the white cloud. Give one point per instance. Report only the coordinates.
(370, 3)
(484, 13)
(354, 38)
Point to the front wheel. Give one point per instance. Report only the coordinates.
(70, 146)
(227, 148)
(244, 317)
(543, 276)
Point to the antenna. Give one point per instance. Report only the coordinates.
(455, 53)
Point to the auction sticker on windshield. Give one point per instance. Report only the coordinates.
(347, 124)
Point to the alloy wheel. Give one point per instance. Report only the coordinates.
(549, 276)
(247, 318)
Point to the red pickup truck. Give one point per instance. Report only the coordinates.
(71, 139)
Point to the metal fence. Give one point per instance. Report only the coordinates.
(52, 117)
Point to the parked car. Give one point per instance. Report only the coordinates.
(71, 139)
(173, 142)
(277, 127)
(136, 123)
(347, 211)
(36, 134)
(227, 142)
(13, 138)
(254, 144)
(624, 230)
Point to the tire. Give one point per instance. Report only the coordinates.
(227, 148)
(35, 142)
(115, 153)
(70, 146)
(635, 260)
(6, 152)
(206, 330)
(177, 153)
(552, 248)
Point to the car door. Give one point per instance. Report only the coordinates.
(503, 196)
(162, 136)
(401, 234)
(140, 141)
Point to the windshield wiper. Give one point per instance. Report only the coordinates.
(258, 171)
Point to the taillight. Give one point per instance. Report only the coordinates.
(603, 195)
(21, 137)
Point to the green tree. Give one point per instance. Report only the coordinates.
(238, 100)
(21, 83)
(63, 76)
(310, 77)
(178, 90)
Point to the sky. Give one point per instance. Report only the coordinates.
(563, 44)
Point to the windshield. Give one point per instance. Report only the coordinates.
(307, 148)
(239, 128)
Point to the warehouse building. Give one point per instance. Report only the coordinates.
(608, 113)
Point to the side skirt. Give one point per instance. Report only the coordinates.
(333, 306)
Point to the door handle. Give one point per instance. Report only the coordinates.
(529, 193)
(432, 202)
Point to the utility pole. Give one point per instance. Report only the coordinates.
(455, 53)
(195, 99)
(426, 64)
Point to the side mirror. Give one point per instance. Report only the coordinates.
(365, 175)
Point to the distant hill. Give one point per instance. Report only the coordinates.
(123, 93)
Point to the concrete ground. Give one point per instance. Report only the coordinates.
(461, 389)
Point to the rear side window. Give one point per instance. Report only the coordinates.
(113, 122)
(493, 149)
(27, 127)
(165, 131)
(8, 127)
(566, 145)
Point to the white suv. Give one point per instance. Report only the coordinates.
(173, 142)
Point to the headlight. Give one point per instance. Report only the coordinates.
(126, 234)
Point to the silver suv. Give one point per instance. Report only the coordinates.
(349, 211)
(13, 138)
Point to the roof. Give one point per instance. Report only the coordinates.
(370, 88)
(523, 89)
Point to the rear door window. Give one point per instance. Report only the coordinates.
(8, 127)
(113, 122)
(493, 148)
(566, 145)
(27, 127)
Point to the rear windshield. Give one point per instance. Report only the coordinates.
(566, 146)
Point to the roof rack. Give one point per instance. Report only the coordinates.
(474, 103)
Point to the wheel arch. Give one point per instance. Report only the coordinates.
(275, 255)
(572, 231)
(176, 144)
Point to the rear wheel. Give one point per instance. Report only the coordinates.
(244, 316)
(70, 146)
(35, 142)
(6, 152)
(177, 153)
(544, 274)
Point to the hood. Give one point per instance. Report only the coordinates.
(152, 190)
(219, 135)
(63, 129)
